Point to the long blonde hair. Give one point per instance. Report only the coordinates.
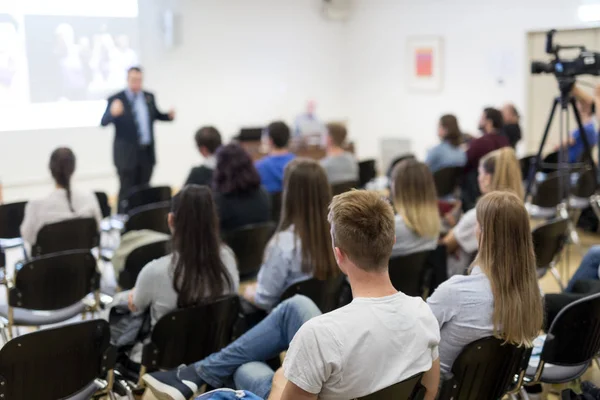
(415, 197)
(507, 257)
(504, 167)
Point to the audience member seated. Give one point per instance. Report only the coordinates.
(301, 247)
(448, 153)
(63, 203)
(500, 295)
(340, 165)
(383, 337)
(415, 200)
(499, 170)
(512, 129)
(239, 197)
(492, 139)
(271, 167)
(575, 146)
(589, 269)
(208, 140)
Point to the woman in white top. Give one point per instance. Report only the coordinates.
(415, 200)
(500, 296)
(498, 170)
(63, 203)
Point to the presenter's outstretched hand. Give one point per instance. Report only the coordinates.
(171, 114)
(116, 108)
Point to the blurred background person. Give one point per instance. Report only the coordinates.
(512, 128)
(339, 164)
(208, 140)
(308, 124)
(448, 153)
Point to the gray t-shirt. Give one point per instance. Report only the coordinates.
(341, 168)
(466, 237)
(408, 242)
(154, 285)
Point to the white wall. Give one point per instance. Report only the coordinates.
(239, 63)
(479, 38)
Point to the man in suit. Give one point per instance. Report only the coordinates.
(133, 112)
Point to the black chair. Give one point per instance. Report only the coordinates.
(408, 389)
(11, 218)
(327, 295)
(367, 171)
(103, 202)
(342, 187)
(145, 195)
(548, 195)
(188, 335)
(549, 240)
(584, 188)
(276, 201)
(248, 244)
(396, 161)
(152, 217)
(138, 258)
(486, 369)
(447, 180)
(71, 234)
(410, 274)
(572, 343)
(51, 289)
(67, 363)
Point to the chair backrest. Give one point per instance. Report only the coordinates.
(103, 203)
(396, 161)
(408, 389)
(248, 244)
(527, 167)
(152, 216)
(54, 281)
(447, 180)
(343, 187)
(276, 201)
(586, 184)
(70, 234)
(325, 294)
(574, 336)
(11, 218)
(55, 363)
(485, 369)
(144, 195)
(188, 335)
(551, 191)
(367, 171)
(410, 273)
(548, 241)
(138, 258)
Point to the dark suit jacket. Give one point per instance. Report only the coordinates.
(126, 144)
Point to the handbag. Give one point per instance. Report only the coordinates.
(128, 328)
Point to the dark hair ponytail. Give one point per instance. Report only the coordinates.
(62, 166)
(199, 272)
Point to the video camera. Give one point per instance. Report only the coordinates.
(586, 63)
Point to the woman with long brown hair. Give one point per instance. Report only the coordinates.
(415, 201)
(498, 170)
(500, 296)
(301, 247)
(448, 153)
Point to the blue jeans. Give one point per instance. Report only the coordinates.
(588, 269)
(243, 358)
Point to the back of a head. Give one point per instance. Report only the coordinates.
(62, 167)
(306, 196)
(235, 172)
(208, 137)
(337, 132)
(514, 113)
(507, 257)
(505, 169)
(453, 133)
(363, 228)
(279, 133)
(495, 116)
(199, 271)
(415, 197)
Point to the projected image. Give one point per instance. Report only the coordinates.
(12, 61)
(78, 58)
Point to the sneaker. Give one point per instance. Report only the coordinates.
(171, 385)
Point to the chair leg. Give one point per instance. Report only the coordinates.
(523, 394)
(556, 275)
(4, 333)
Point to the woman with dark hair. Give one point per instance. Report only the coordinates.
(63, 203)
(200, 268)
(239, 197)
(301, 247)
(447, 153)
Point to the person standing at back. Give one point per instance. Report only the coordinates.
(133, 112)
(271, 167)
(448, 153)
(208, 140)
(512, 129)
(339, 165)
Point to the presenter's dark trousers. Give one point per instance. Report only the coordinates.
(139, 175)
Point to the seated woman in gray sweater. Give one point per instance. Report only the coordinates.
(415, 200)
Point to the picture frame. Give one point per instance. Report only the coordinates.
(424, 56)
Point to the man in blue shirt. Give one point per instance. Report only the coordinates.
(271, 167)
(575, 144)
